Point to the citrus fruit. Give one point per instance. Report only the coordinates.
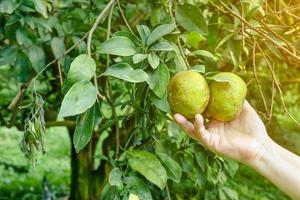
(227, 95)
(188, 93)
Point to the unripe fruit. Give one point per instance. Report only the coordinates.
(227, 95)
(188, 93)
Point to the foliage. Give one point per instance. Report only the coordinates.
(133, 56)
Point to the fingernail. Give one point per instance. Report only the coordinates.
(198, 117)
(178, 117)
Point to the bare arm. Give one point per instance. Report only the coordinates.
(245, 139)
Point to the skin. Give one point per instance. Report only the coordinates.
(245, 139)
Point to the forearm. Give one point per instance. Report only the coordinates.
(290, 157)
(272, 164)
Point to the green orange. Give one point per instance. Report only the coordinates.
(227, 95)
(188, 93)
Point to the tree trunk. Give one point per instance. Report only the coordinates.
(86, 183)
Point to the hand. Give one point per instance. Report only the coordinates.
(240, 139)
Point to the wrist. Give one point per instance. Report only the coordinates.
(266, 154)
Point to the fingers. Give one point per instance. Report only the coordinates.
(200, 131)
(186, 125)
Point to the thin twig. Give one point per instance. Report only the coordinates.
(90, 36)
(111, 99)
(278, 86)
(98, 20)
(60, 74)
(16, 101)
(124, 18)
(256, 78)
(168, 192)
(63, 55)
(178, 40)
(243, 25)
(280, 37)
(260, 31)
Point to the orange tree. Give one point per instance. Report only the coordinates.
(101, 69)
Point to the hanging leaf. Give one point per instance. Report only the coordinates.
(115, 177)
(179, 60)
(153, 76)
(149, 166)
(125, 72)
(191, 19)
(84, 129)
(144, 33)
(37, 57)
(83, 67)
(118, 45)
(173, 169)
(80, 97)
(163, 80)
(22, 38)
(138, 58)
(153, 60)
(8, 6)
(58, 47)
(205, 54)
(41, 7)
(162, 46)
(193, 39)
(198, 68)
(159, 32)
(162, 104)
(139, 187)
(8, 55)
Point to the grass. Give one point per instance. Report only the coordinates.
(21, 181)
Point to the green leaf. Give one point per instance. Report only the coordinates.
(201, 159)
(58, 47)
(125, 72)
(84, 129)
(162, 104)
(153, 76)
(163, 80)
(162, 46)
(138, 58)
(251, 13)
(191, 19)
(83, 67)
(118, 45)
(8, 6)
(173, 169)
(198, 68)
(115, 177)
(22, 38)
(8, 55)
(205, 54)
(230, 193)
(231, 167)
(179, 60)
(41, 7)
(153, 60)
(159, 32)
(139, 187)
(23, 68)
(144, 33)
(80, 97)
(193, 39)
(225, 39)
(149, 166)
(37, 57)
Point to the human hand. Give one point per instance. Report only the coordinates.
(240, 139)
